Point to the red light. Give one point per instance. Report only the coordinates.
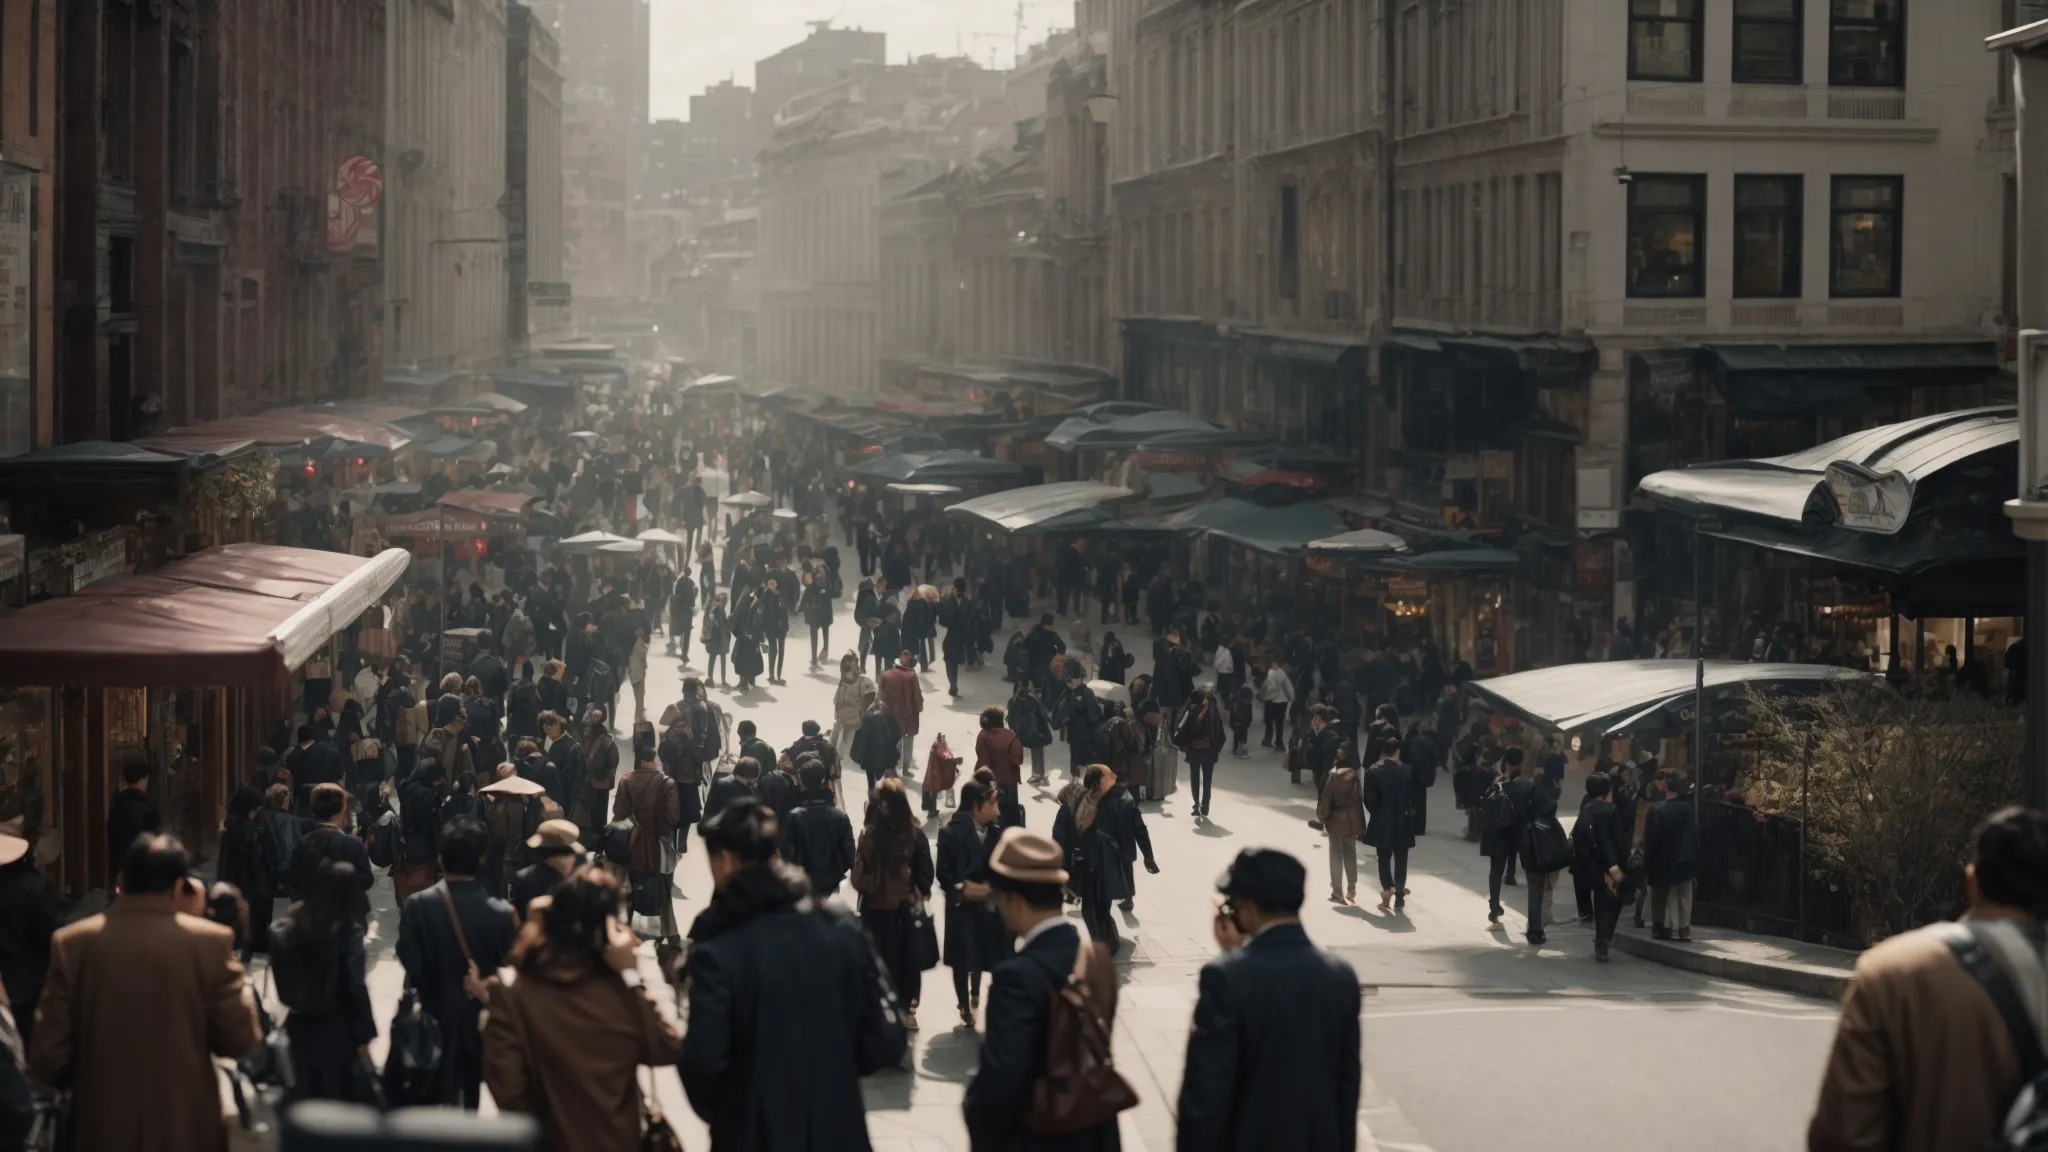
(309, 467)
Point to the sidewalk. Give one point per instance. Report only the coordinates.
(1765, 961)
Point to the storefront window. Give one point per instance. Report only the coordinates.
(25, 755)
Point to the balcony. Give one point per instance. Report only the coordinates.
(1770, 111)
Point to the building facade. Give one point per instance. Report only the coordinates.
(446, 281)
(28, 234)
(537, 293)
(206, 152)
(821, 59)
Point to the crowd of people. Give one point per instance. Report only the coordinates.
(532, 830)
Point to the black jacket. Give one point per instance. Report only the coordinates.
(877, 747)
(779, 791)
(1119, 818)
(1273, 1058)
(1671, 842)
(1013, 1050)
(129, 815)
(788, 1010)
(317, 763)
(1028, 719)
(433, 963)
(1597, 841)
(536, 879)
(817, 837)
(27, 921)
(1171, 678)
(325, 842)
(725, 788)
(1391, 797)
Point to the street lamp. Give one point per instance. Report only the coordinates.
(1101, 107)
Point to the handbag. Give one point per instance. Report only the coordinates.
(413, 1066)
(251, 1126)
(924, 938)
(1545, 848)
(1079, 1087)
(655, 1133)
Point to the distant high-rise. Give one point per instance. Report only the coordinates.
(826, 55)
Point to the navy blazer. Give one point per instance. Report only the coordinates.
(1013, 1050)
(1273, 1059)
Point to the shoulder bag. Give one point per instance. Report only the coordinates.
(924, 938)
(472, 980)
(1080, 1087)
(655, 1133)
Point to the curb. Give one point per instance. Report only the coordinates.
(1818, 981)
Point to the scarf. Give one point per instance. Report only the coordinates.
(1085, 807)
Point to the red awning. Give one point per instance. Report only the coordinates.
(242, 615)
(495, 504)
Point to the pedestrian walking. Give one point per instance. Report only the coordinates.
(975, 939)
(742, 782)
(600, 772)
(1390, 798)
(817, 837)
(689, 747)
(1028, 718)
(787, 1010)
(1273, 1057)
(1000, 750)
(1501, 811)
(878, 746)
(636, 672)
(771, 622)
(903, 695)
(682, 615)
(892, 871)
(147, 987)
(1025, 878)
(326, 841)
(1671, 852)
(1078, 716)
(850, 700)
(1544, 850)
(1325, 736)
(960, 643)
(320, 971)
(1598, 857)
(1199, 736)
(449, 936)
(570, 1022)
(650, 799)
(1097, 877)
(556, 855)
(815, 605)
(717, 639)
(1341, 811)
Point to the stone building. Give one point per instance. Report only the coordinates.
(200, 148)
(537, 292)
(446, 278)
(28, 234)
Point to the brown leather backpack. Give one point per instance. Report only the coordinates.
(1080, 1087)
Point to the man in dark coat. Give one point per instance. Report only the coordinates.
(313, 761)
(1671, 852)
(1118, 817)
(817, 836)
(788, 1005)
(327, 841)
(450, 986)
(1326, 736)
(751, 744)
(876, 746)
(742, 781)
(813, 744)
(1026, 879)
(129, 814)
(1040, 647)
(1078, 715)
(1273, 1057)
(1597, 857)
(1390, 797)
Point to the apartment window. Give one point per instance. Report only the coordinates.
(1664, 40)
(1867, 44)
(121, 275)
(1767, 41)
(1289, 264)
(1667, 229)
(1767, 236)
(1863, 240)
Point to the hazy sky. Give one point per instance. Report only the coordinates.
(697, 43)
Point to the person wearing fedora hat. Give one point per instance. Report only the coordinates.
(1273, 1058)
(558, 854)
(1025, 881)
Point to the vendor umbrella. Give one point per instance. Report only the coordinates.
(749, 500)
(660, 536)
(623, 546)
(784, 514)
(498, 470)
(592, 541)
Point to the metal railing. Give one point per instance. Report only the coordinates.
(1756, 876)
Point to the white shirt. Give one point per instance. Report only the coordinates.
(1224, 666)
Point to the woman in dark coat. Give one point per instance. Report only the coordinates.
(1033, 725)
(892, 871)
(717, 639)
(685, 765)
(244, 864)
(746, 640)
(920, 625)
(1200, 738)
(975, 937)
(317, 961)
(1390, 798)
(1114, 660)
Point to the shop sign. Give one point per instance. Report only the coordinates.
(1595, 567)
(1407, 588)
(13, 552)
(108, 558)
(1169, 459)
(1324, 565)
(1868, 501)
(352, 206)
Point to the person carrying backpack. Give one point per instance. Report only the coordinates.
(1939, 1043)
(1500, 827)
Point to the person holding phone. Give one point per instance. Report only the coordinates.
(1273, 1058)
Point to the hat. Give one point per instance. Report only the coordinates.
(1268, 877)
(1026, 857)
(12, 848)
(811, 728)
(447, 710)
(512, 786)
(555, 834)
